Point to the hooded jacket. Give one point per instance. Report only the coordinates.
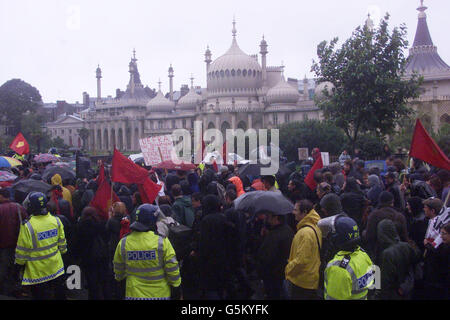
(396, 259)
(183, 212)
(304, 259)
(238, 183)
(370, 233)
(56, 180)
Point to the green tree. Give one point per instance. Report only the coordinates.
(32, 129)
(370, 91)
(309, 134)
(84, 135)
(16, 98)
(59, 143)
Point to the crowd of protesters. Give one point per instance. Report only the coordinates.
(233, 255)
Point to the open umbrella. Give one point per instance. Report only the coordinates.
(8, 162)
(29, 185)
(45, 157)
(179, 165)
(66, 173)
(7, 176)
(264, 201)
(251, 169)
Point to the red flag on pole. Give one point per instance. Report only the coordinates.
(20, 145)
(101, 174)
(126, 171)
(309, 180)
(103, 199)
(424, 148)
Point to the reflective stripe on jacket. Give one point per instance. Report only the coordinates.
(349, 279)
(148, 263)
(39, 247)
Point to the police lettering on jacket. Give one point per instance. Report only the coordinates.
(141, 255)
(47, 234)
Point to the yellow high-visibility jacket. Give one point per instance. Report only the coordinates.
(149, 264)
(348, 276)
(39, 247)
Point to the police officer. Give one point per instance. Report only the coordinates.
(147, 260)
(38, 252)
(350, 273)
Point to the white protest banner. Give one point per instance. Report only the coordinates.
(325, 158)
(156, 149)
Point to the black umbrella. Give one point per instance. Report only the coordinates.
(29, 185)
(264, 201)
(64, 172)
(251, 169)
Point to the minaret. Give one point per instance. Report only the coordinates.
(207, 58)
(369, 22)
(305, 89)
(99, 84)
(263, 51)
(171, 83)
(132, 70)
(192, 81)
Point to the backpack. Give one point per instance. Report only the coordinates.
(180, 236)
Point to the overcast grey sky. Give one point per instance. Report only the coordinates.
(55, 45)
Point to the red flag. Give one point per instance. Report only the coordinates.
(103, 199)
(424, 148)
(126, 171)
(20, 145)
(309, 180)
(216, 168)
(101, 175)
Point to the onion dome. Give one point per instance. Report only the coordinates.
(326, 85)
(190, 100)
(282, 92)
(160, 103)
(234, 71)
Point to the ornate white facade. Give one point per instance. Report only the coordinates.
(241, 92)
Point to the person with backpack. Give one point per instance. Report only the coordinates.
(182, 207)
(397, 261)
(302, 270)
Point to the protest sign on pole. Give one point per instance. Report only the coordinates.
(156, 149)
(302, 153)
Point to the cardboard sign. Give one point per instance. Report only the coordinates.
(302, 153)
(325, 158)
(156, 149)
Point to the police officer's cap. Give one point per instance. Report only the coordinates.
(146, 216)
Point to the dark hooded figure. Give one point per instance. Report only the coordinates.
(193, 179)
(396, 260)
(91, 188)
(213, 249)
(125, 196)
(207, 177)
(185, 187)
